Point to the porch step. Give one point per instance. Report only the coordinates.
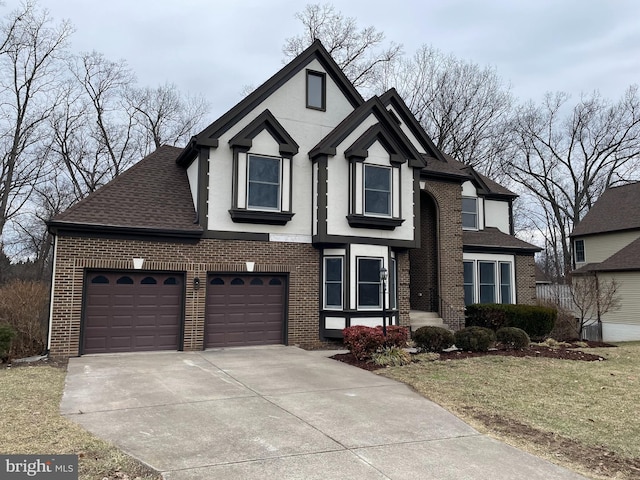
(421, 319)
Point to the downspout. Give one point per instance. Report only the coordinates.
(51, 292)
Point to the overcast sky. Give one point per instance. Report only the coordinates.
(214, 48)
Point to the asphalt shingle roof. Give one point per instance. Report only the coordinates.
(627, 258)
(152, 195)
(493, 239)
(618, 208)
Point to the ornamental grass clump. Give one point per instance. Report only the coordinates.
(391, 357)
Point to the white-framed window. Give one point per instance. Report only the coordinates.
(469, 213)
(316, 90)
(578, 248)
(333, 283)
(488, 281)
(368, 280)
(377, 190)
(264, 183)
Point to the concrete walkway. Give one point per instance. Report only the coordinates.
(279, 413)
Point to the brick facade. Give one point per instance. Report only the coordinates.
(74, 255)
(438, 262)
(526, 279)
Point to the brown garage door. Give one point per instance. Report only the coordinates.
(245, 310)
(132, 312)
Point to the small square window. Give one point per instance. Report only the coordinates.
(579, 251)
(470, 213)
(316, 90)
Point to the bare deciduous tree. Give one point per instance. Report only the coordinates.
(567, 156)
(592, 298)
(165, 115)
(465, 108)
(358, 51)
(31, 48)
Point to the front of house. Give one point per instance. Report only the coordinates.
(301, 211)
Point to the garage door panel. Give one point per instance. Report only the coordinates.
(141, 314)
(244, 310)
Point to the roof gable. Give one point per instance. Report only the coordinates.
(210, 135)
(266, 121)
(392, 98)
(616, 210)
(386, 131)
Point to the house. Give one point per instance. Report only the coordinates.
(606, 244)
(302, 210)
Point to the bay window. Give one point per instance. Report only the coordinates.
(488, 281)
(368, 280)
(333, 289)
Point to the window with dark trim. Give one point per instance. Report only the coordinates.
(469, 285)
(333, 275)
(579, 251)
(470, 213)
(393, 285)
(368, 275)
(264, 179)
(316, 90)
(377, 190)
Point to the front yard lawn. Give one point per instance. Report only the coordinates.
(583, 415)
(31, 423)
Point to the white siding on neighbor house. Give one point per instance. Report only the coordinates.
(617, 332)
(629, 295)
(496, 214)
(192, 175)
(306, 126)
(341, 171)
(597, 248)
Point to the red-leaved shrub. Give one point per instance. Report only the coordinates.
(363, 341)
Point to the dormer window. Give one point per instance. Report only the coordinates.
(377, 190)
(263, 183)
(469, 213)
(316, 90)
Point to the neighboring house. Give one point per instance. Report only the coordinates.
(274, 224)
(606, 243)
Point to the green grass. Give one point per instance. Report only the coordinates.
(595, 404)
(31, 423)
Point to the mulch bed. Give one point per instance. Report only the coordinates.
(562, 353)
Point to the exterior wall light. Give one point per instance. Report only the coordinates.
(383, 281)
(196, 283)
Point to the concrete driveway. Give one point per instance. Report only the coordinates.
(279, 413)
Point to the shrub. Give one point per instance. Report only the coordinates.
(433, 339)
(391, 357)
(566, 326)
(24, 306)
(396, 336)
(475, 339)
(363, 341)
(6, 335)
(513, 338)
(537, 321)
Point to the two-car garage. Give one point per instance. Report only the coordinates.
(143, 311)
